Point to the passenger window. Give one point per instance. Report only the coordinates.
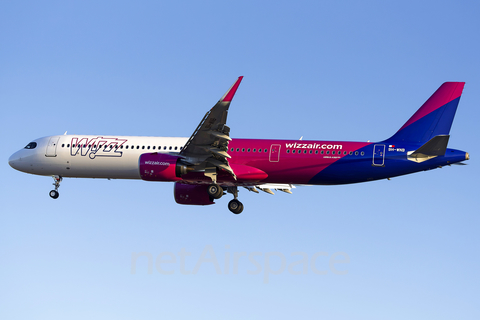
(259, 150)
(293, 151)
(265, 150)
(363, 153)
(176, 148)
(288, 151)
(170, 148)
(248, 150)
(238, 149)
(243, 149)
(356, 153)
(254, 150)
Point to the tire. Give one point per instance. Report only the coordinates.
(235, 206)
(54, 194)
(215, 191)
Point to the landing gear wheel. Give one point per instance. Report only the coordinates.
(235, 206)
(215, 191)
(54, 194)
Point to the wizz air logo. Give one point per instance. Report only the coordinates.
(314, 146)
(97, 147)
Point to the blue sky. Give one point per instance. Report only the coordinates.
(343, 70)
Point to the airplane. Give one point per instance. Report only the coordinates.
(210, 164)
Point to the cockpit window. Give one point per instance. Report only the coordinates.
(31, 145)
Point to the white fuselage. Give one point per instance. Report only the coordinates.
(91, 156)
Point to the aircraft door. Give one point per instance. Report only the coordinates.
(52, 147)
(275, 153)
(379, 155)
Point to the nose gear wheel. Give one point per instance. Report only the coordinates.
(54, 193)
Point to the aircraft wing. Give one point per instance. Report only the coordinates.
(208, 145)
(267, 187)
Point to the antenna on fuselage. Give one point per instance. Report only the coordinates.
(301, 138)
(65, 133)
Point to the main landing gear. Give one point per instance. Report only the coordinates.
(234, 205)
(216, 192)
(54, 193)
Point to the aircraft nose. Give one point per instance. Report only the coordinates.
(14, 160)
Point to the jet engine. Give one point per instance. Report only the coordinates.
(161, 167)
(193, 194)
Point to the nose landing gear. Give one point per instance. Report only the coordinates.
(54, 193)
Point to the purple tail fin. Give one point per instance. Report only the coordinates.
(434, 117)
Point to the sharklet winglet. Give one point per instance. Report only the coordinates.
(227, 97)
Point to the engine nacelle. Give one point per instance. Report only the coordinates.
(193, 194)
(161, 167)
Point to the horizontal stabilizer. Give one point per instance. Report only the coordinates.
(437, 146)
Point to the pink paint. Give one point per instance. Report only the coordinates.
(447, 92)
(294, 168)
(192, 194)
(247, 173)
(158, 167)
(229, 95)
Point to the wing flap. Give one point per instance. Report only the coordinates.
(208, 145)
(267, 187)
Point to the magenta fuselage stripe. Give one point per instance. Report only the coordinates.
(284, 166)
